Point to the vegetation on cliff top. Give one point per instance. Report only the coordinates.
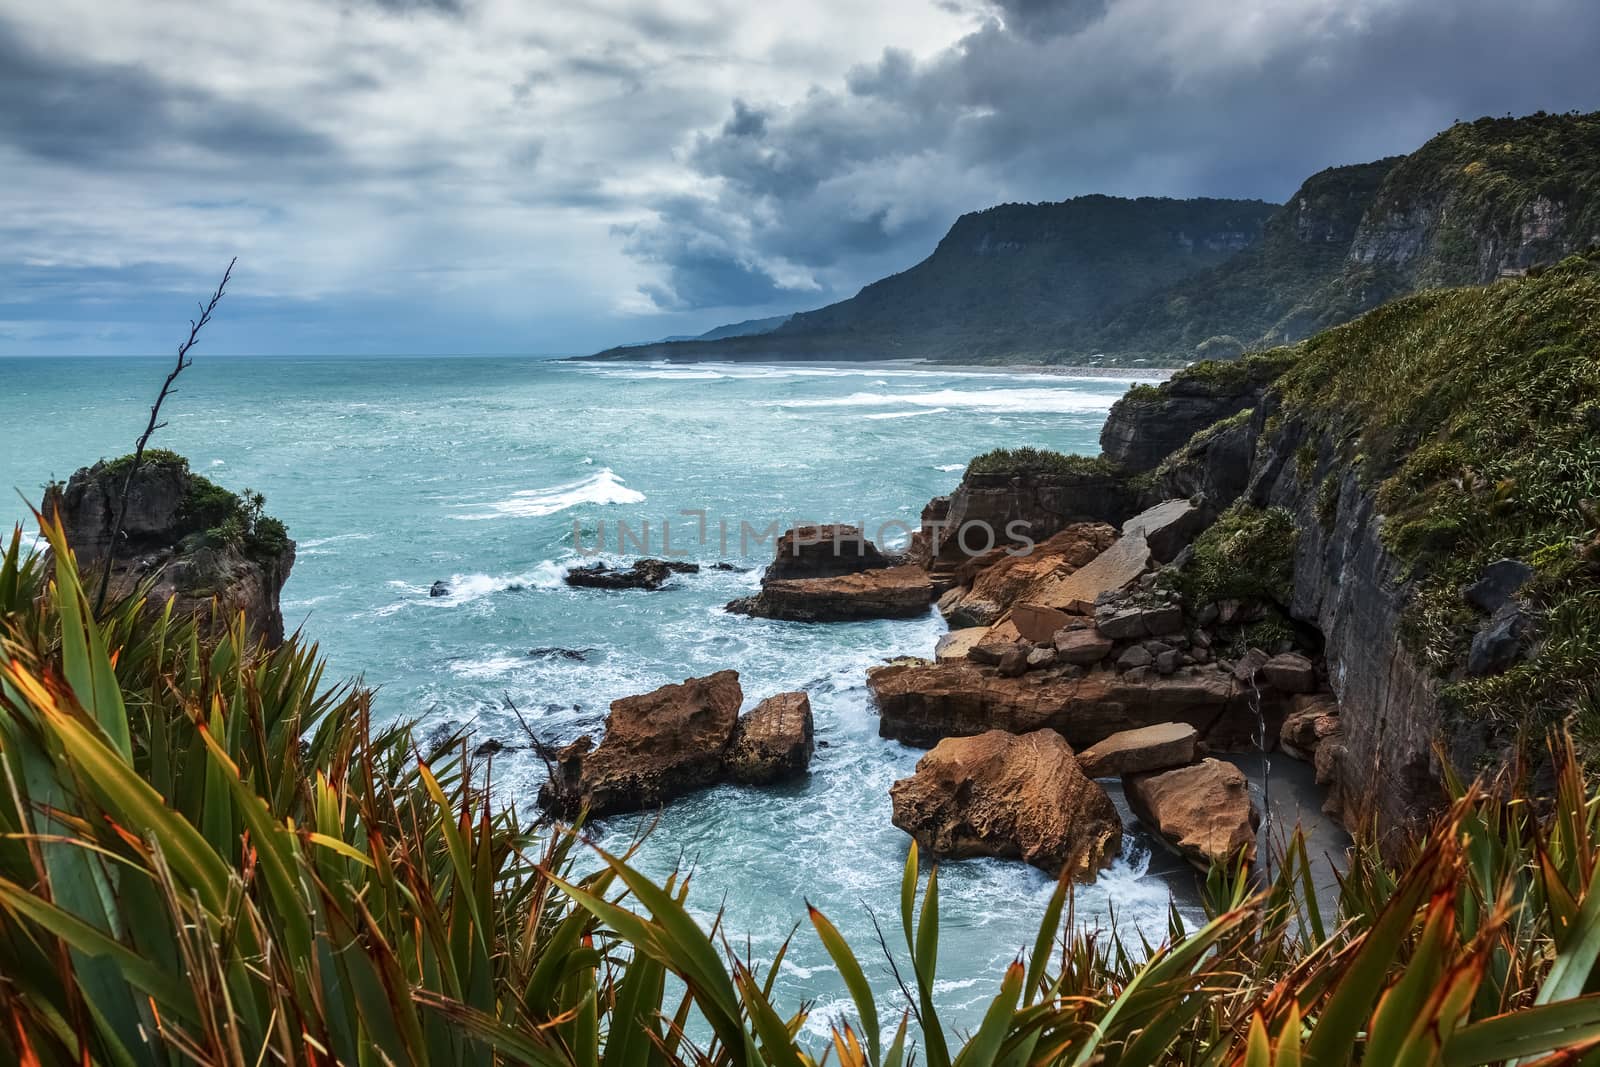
(1041, 461)
(1475, 415)
(206, 857)
(212, 515)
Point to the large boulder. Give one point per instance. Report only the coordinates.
(1167, 528)
(997, 580)
(1111, 571)
(208, 550)
(657, 746)
(921, 703)
(1016, 797)
(773, 742)
(1204, 810)
(1149, 748)
(957, 644)
(1311, 721)
(903, 592)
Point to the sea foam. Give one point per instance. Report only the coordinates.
(602, 487)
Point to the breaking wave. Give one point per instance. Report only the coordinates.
(602, 487)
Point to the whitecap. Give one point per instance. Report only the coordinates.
(318, 542)
(1057, 401)
(949, 467)
(905, 414)
(602, 487)
(218, 463)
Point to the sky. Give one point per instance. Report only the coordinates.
(524, 176)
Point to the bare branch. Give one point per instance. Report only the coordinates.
(154, 424)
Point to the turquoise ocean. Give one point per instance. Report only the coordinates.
(489, 473)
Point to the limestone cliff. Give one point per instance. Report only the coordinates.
(1426, 451)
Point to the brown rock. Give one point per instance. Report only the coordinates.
(996, 580)
(1311, 720)
(1016, 797)
(1203, 810)
(823, 552)
(1115, 568)
(1037, 623)
(656, 746)
(167, 542)
(1149, 748)
(1013, 663)
(773, 741)
(1290, 672)
(881, 593)
(922, 703)
(1040, 658)
(1082, 646)
(957, 643)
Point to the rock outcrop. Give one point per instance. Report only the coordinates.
(1016, 797)
(834, 574)
(657, 746)
(921, 703)
(1204, 811)
(773, 742)
(650, 574)
(996, 508)
(674, 740)
(211, 551)
(1149, 424)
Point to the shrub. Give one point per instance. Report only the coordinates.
(1040, 461)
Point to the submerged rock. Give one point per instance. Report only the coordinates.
(578, 655)
(1015, 797)
(439, 588)
(1204, 811)
(649, 574)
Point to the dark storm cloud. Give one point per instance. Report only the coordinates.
(78, 111)
(1048, 100)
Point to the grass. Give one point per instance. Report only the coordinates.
(208, 856)
(1248, 553)
(1041, 461)
(1476, 416)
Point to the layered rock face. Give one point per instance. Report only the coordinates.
(677, 739)
(1018, 797)
(834, 574)
(1348, 584)
(1145, 427)
(996, 509)
(196, 542)
(922, 703)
